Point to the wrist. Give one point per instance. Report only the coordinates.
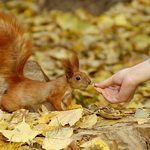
(140, 72)
(132, 78)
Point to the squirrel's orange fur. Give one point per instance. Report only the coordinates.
(23, 92)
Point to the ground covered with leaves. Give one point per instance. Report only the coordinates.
(116, 39)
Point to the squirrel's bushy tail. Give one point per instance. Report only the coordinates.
(14, 49)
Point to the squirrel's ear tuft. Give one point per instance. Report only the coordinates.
(75, 62)
(68, 68)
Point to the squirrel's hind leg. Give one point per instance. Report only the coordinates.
(9, 105)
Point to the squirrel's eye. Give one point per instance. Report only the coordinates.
(78, 78)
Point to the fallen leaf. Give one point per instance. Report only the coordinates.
(74, 106)
(87, 121)
(57, 139)
(140, 113)
(66, 117)
(21, 133)
(109, 113)
(120, 20)
(96, 142)
(45, 118)
(74, 24)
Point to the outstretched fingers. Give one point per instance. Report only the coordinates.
(105, 83)
(111, 94)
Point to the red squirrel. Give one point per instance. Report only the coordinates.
(21, 91)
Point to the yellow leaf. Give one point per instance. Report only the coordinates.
(39, 140)
(5, 116)
(88, 121)
(3, 125)
(74, 106)
(96, 142)
(9, 146)
(68, 21)
(45, 118)
(57, 139)
(66, 117)
(121, 20)
(21, 133)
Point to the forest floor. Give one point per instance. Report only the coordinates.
(118, 38)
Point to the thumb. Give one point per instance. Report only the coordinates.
(105, 83)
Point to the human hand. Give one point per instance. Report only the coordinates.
(118, 88)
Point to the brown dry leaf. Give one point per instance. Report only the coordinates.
(110, 113)
(24, 148)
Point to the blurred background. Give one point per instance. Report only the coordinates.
(108, 35)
